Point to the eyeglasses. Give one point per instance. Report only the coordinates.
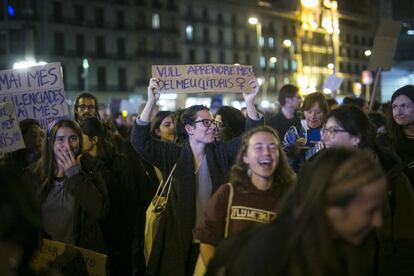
(332, 131)
(205, 122)
(84, 107)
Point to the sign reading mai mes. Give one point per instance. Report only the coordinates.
(194, 78)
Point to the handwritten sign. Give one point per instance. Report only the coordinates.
(69, 259)
(36, 92)
(196, 78)
(11, 138)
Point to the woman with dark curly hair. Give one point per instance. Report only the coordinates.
(260, 177)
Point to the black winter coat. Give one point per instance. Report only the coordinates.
(172, 246)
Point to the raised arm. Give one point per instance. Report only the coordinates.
(249, 100)
(153, 91)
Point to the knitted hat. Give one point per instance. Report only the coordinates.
(407, 90)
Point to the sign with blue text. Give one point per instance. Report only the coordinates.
(195, 78)
(10, 135)
(36, 92)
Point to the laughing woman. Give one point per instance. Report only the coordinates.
(259, 178)
(73, 197)
(201, 166)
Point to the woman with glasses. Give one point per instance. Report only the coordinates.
(348, 126)
(201, 166)
(300, 143)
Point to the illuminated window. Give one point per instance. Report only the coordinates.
(272, 82)
(262, 62)
(294, 65)
(285, 64)
(155, 21)
(189, 32)
(271, 42)
(261, 41)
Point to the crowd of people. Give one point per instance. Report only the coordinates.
(319, 188)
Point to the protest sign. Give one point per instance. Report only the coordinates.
(194, 78)
(332, 83)
(69, 259)
(385, 43)
(36, 92)
(11, 138)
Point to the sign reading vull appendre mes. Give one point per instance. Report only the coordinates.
(195, 78)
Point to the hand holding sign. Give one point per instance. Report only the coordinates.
(153, 90)
(249, 97)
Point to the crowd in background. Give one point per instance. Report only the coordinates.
(318, 188)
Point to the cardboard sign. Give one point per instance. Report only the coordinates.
(385, 44)
(36, 92)
(332, 82)
(195, 78)
(69, 259)
(11, 138)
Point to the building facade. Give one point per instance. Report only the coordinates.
(108, 46)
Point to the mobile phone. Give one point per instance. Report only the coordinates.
(313, 135)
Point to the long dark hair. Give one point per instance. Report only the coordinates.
(93, 127)
(395, 132)
(158, 118)
(352, 119)
(187, 117)
(283, 177)
(233, 122)
(46, 165)
(332, 178)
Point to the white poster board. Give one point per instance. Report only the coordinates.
(36, 92)
(11, 138)
(332, 83)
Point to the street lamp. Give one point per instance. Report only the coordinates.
(287, 43)
(255, 21)
(27, 63)
(367, 53)
(85, 65)
(272, 61)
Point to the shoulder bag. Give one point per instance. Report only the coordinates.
(154, 212)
